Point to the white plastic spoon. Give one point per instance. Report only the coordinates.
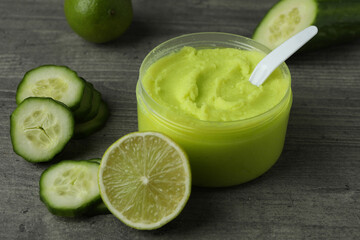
(269, 63)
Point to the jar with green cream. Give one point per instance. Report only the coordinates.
(195, 89)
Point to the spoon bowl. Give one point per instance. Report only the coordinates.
(271, 61)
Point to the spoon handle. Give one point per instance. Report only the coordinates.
(271, 61)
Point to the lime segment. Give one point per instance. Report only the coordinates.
(145, 179)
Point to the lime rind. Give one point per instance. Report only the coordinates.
(98, 21)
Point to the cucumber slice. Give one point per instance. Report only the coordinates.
(87, 128)
(98, 210)
(95, 105)
(337, 20)
(85, 105)
(70, 188)
(57, 82)
(101, 209)
(96, 160)
(40, 128)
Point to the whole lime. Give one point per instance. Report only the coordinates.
(98, 21)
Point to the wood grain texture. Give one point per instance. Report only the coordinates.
(312, 192)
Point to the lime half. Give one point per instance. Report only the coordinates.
(145, 179)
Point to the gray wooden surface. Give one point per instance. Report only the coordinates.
(312, 192)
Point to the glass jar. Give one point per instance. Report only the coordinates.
(221, 153)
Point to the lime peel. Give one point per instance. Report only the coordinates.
(99, 21)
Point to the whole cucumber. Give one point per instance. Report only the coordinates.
(338, 21)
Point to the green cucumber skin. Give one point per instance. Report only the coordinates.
(96, 160)
(73, 213)
(18, 101)
(68, 212)
(85, 129)
(338, 21)
(99, 209)
(95, 105)
(59, 149)
(85, 105)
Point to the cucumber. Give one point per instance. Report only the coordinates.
(85, 104)
(337, 20)
(85, 129)
(99, 209)
(95, 105)
(57, 82)
(69, 188)
(40, 128)
(96, 160)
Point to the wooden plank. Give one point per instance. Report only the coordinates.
(312, 192)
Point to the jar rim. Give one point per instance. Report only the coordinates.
(213, 39)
